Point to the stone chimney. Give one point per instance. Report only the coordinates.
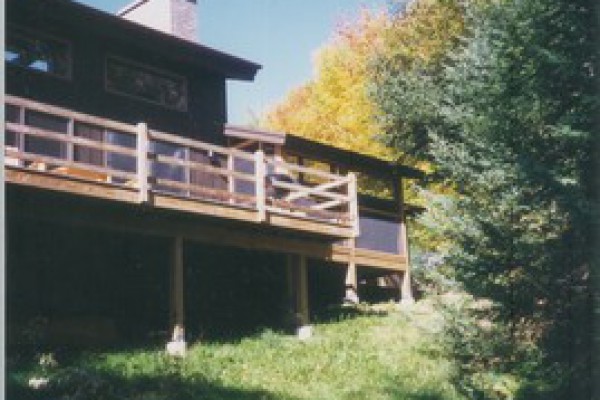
(176, 17)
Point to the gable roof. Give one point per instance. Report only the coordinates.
(87, 19)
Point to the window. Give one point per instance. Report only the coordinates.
(145, 83)
(45, 146)
(34, 51)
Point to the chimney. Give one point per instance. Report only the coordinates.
(176, 17)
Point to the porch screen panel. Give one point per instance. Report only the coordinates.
(379, 233)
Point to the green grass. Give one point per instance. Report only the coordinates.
(384, 355)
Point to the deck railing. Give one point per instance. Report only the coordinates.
(58, 141)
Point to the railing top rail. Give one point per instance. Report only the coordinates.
(69, 114)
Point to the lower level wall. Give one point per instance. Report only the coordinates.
(96, 287)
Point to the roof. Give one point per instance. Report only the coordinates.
(76, 15)
(242, 132)
(371, 165)
(324, 152)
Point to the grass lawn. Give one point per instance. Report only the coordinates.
(381, 353)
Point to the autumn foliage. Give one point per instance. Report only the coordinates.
(335, 107)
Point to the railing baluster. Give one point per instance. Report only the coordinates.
(70, 146)
(142, 162)
(20, 138)
(187, 173)
(260, 174)
(230, 177)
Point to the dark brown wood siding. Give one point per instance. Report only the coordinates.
(85, 90)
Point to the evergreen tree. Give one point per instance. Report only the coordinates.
(508, 122)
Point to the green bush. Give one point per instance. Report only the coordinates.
(495, 359)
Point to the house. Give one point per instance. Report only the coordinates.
(133, 206)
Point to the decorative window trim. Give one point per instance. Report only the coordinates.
(149, 71)
(31, 34)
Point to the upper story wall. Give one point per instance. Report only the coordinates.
(98, 56)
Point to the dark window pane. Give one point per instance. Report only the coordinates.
(243, 186)
(87, 154)
(121, 162)
(163, 170)
(46, 121)
(10, 139)
(11, 113)
(204, 178)
(37, 52)
(43, 146)
(149, 84)
(122, 139)
(118, 161)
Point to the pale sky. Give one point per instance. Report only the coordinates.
(281, 35)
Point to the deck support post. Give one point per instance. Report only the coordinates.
(297, 272)
(351, 296)
(177, 345)
(353, 203)
(406, 295)
(351, 283)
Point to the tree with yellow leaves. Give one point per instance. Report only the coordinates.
(342, 104)
(335, 107)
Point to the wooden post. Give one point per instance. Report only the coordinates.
(303, 290)
(178, 282)
(406, 295)
(301, 176)
(353, 202)
(297, 274)
(260, 175)
(351, 283)
(177, 345)
(278, 157)
(406, 290)
(291, 290)
(142, 162)
(351, 296)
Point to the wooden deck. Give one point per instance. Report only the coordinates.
(55, 149)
